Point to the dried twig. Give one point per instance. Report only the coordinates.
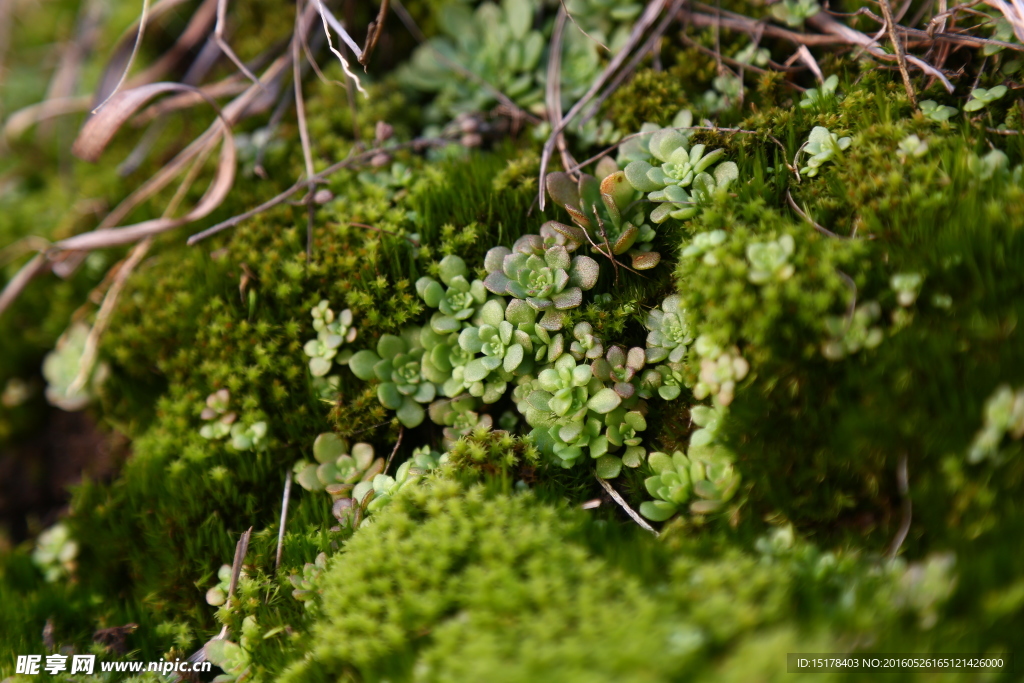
(373, 34)
(284, 196)
(387, 465)
(646, 20)
(625, 506)
(897, 46)
(284, 518)
(218, 37)
(553, 87)
(820, 228)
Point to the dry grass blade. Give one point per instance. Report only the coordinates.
(582, 30)
(17, 284)
(131, 57)
(218, 36)
(1013, 11)
(92, 342)
(324, 13)
(23, 119)
(807, 58)
(284, 518)
(625, 506)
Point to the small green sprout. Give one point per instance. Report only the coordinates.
(907, 286)
(982, 97)
(720, 371)
(703, 243)
(848, 336)
(249, 438)
(331, 334)
(305, 584)
(218, 595)
(336, 470)
(937, 112)
(216, 412)
(769, 261)
(586, 344)
(794, 12)
(822, 146)
(670, 486)
(816, 98)
(752, 54)
(911, 146)
(1003, 414)
(61, 368)
(55, 553)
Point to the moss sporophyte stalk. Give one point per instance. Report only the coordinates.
(585, 341)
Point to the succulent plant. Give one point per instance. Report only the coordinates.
(982, 97)
(55, 553)
(234, 658)
(376, 494)
(218, 595)
(249, 437)
(306, 583)
(623, 430)
(1003, 414)
(752, 54)
(817, 98)
(61, 368)
(552, 283)
(681, 167)
(455, 304)
(669, 333)
(848, 336)
(586, 344)
(541, 346)
(720, 370)
(398, 364)
(667, 379)
(599, 212)
(769, 261)
(216, 413)
(937, 112)
(794, 12)
(822, 146)
(496, 42)
(911, 146)
(336, 470)
(907, 287)
(670, 486)
(500, 345)
(619, 367)
(331, 334)
(567, 440)
(707, 482)
(459, 417)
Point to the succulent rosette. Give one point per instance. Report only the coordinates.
(397, 363)
(550, 283)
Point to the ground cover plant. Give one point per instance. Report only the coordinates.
(511, 341)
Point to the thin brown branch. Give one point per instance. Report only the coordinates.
(387, 465)
(373, 33)
(820, 228)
